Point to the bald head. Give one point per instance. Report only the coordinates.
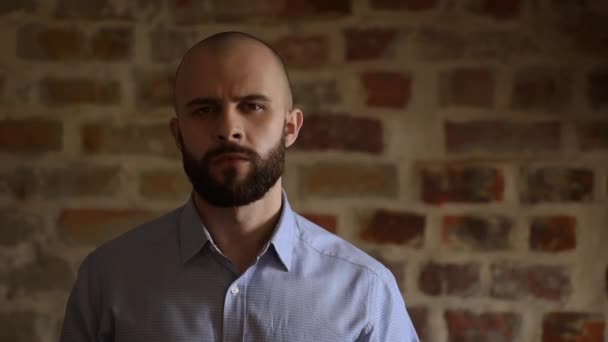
(226, 47)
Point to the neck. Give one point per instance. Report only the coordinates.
(241, 232)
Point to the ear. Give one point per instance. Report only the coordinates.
(293, 123)
(174, 126)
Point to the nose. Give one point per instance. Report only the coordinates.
(229, 128)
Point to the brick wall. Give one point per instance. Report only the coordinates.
(463, 143)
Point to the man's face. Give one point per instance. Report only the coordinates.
(233, 124)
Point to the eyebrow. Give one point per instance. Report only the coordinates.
(209, 100)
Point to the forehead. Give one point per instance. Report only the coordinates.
(235, 72)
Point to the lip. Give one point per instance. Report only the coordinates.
(230, 158)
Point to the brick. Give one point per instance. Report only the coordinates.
(113, 44)
(61, 92)
(412, 5)
(397, 268)
(462, 280)
(477, 232)
(386, 89)
(153, 140)
(553, 233)
(71, 180)
(521, 282)
(541, 88)
(573, 326)
(365, 44)
(94, 9)
(164, 185)
(300, 51)
(581, 26)
(420, 319)
(30, 136)
(474, 87)
(18, 326)
(153, 89)
(188, 12)
(316, 94)
(17, 226)
(498, 9)
(169, 45)
(395, 227)
(461, 184)
(46, 273)
(91, 226)
(597, 88)
(502, 136)
(326, 221)
(35, 42)
(341, 132)
(348, 179)
(556, 185)
(467, 326)
(592, 136)
(437, 45)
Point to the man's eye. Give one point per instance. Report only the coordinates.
(202, 110)
(252, 107)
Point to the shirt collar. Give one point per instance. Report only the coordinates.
(194, 235)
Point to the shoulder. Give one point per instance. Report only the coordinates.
(141, 240)
(330, 246)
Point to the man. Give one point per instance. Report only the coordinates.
(235, 263)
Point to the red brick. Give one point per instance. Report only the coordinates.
(541, 88)
(128, 140)
(30, 136)
(420, 319)
(95, 226)
(520, 282)
(112, 44)
(79, 91)
(473, 87)
(363, 44)
(96, 9)
(341, 132)
(467, 326)
(593, 136)
(553, 233)
(153, 89)
(316, 8)
(478, 233)
(499, 9)
(502, 136)
(581, 26)
(557, 185)
(573, 326)
(35, 42)
(386, 89)
(164, 185)
(303, 51)
(412, 5)
(597, 88)
(327, 221)
(462, 280)
(8, 7)
(348, 179)
(461, 184)
(395, 227)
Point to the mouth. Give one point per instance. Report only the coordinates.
(230, 158)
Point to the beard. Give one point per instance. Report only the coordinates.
(232, 192)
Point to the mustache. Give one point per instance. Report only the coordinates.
(230, 148)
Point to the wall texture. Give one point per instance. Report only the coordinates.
(463, 143)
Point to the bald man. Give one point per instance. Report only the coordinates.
(235, 263)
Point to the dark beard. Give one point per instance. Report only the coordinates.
(263, 174)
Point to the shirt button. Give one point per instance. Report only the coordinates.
(234, 290)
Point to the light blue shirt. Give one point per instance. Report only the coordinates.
(166, 281)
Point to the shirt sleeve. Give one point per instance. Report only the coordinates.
(81, 320)
(389, 320)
